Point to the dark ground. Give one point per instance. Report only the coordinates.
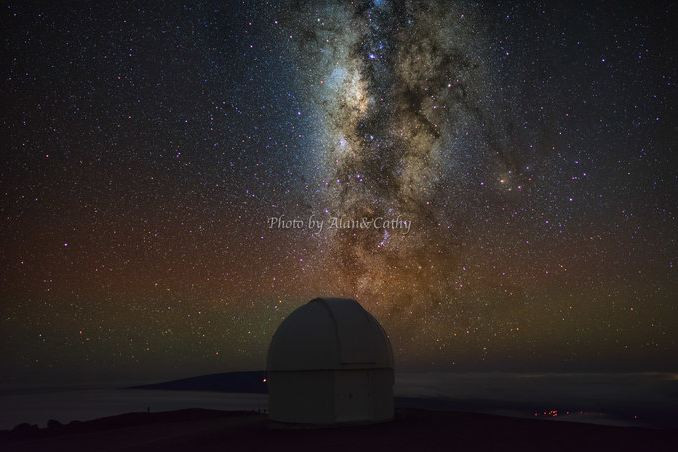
(412, 430)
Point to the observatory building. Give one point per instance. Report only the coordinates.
(330, 362)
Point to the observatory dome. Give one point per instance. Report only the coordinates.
(330, 362)
(329, 333)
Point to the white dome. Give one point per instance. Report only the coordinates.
(329, 333)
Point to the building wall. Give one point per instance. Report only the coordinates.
(363, 395)
(325, 397)
(381, 384)
(301, 396)
(352, 395)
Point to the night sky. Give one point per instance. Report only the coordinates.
(147, 145)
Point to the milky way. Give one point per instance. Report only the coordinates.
(400, 86)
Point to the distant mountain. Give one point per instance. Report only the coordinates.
(250, 382)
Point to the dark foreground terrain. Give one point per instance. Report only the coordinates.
(415, 430)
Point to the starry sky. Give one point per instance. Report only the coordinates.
(148, 145)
